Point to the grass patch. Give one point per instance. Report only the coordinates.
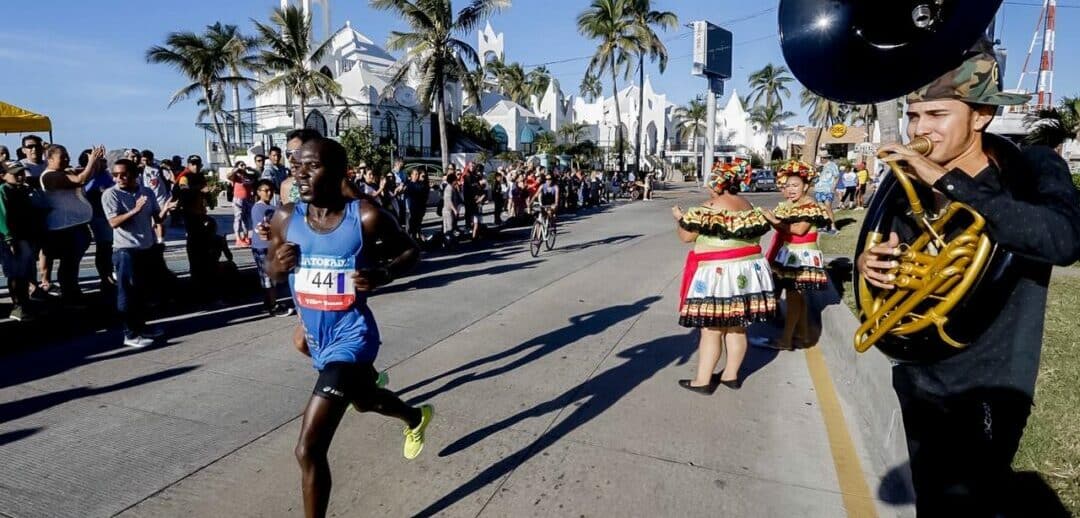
(1051, 443)
(842, 245)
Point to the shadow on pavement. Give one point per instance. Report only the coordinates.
(896, 487)
(445, 279)
(597, 394)
(35, 363)
(18, 435)
(1028, 491)
(579, 327)
(839, 270)
(24, 407)
(613, 240)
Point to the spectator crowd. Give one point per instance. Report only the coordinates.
(122, 202)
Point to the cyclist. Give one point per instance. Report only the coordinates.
(549, 197)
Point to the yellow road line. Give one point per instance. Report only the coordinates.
(856, 494)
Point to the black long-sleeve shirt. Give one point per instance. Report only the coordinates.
(1031, 209)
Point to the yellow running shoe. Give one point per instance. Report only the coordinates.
(414, 437)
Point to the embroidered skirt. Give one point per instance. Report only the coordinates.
(800, 267)
(730, 288)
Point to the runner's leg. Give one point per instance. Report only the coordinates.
(321, 419)
(382, 401)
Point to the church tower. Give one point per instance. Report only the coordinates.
(490, 45)
(319, 32)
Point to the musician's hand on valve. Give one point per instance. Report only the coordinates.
(875, 263)
(922, 167)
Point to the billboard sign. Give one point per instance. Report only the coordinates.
(712, 50)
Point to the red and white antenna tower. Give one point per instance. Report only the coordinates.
(1046, 65)
(1045, 84)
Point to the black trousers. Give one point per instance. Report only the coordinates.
(416, 218)
(961, 449)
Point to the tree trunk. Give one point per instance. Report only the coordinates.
(217, 124)
(889, 119)
(239, 125)
(440, 109)
(700, 159)
(618, 118)
(641, 112)
(303, 111)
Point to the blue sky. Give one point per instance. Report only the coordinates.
(85, 70)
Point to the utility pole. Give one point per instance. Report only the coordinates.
(716, 88)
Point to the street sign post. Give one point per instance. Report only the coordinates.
(712, 60)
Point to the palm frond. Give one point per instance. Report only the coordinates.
(471, 16)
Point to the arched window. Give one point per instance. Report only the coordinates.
(325, 70)
(500, 137)
(316, 121)
(414, 137)
(650, 143)
(388, 131)
(525, 141)
(347, 120)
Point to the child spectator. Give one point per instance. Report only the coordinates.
(262, 211)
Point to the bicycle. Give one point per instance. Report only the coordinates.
(543, 232)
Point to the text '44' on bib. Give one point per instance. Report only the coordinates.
(324, 283)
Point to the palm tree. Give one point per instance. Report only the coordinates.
(538, 80)
(240, 57)
(545, 142)
(438, 55)
(493, 68)
(770, 118)
(1053, 126)
(205, 62)
(644, 19)
(591, 87)
(864, 113)
(289, 54)
(573, 132)
(610, 23)
(769, 84)
(513, 83)
(691, 119)
(206, 110)
(823, 112)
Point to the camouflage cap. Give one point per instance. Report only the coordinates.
(977, 80)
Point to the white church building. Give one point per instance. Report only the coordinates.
(364, 69)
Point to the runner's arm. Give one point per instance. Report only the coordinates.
(282, 258)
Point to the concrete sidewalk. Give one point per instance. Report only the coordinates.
(553, 380)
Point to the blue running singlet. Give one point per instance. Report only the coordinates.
(337, 321)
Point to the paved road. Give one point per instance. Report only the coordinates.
(553, 380)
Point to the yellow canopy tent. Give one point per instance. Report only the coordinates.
(17, 120)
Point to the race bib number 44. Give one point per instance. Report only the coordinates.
(325, 283)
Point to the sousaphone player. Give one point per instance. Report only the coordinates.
(964, 413)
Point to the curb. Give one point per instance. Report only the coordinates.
(864, 383)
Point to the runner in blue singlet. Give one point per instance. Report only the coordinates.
(319, 245)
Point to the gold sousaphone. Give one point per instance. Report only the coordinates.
(900, 46)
